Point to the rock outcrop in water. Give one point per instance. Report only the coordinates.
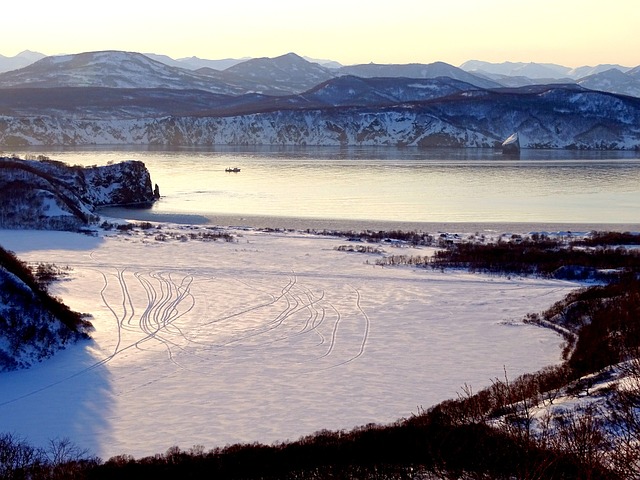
(511, 146)
(47, 194)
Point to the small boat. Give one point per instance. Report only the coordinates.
(233, 170)
(511, 145)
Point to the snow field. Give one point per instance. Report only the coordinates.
(267, 338)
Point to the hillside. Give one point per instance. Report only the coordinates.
(116, 98)
(33, 325)
(283, 75)
(93, 103)
(562, 116)
(47, 194)
(418, 70)
(112, 69)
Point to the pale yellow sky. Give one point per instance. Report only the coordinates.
(568, 32)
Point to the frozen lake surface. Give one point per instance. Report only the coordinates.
(266, 338)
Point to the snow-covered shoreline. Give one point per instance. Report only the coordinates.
(347, 225)
(267, 337)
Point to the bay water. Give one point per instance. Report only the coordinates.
(382, 187)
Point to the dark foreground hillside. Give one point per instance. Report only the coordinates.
(580, 419)
(33, 324)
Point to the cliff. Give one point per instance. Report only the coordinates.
(46, 194)
(560, 117)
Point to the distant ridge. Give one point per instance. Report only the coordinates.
(114, 97)
(287, 74)
(114, 69)
(21, 60)
(418, 70)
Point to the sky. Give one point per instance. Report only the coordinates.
(567, 32)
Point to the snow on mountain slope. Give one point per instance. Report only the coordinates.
(585, 71)
(551, 117)
(612, 80)
(350, 90)
(286, 73)
(112, 69)
(634, 72)
(418, 70)
(604, 77)
(544, 116)
(21, 60)
(118, 103)
(298, 127)
(101, 102)
(517, 69)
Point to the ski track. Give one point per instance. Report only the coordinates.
(146, 307)
(294, 311)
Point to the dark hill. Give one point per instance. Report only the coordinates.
(52, 195)
(33, 324)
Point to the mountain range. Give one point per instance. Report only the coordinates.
(127, 97)
(290, 73)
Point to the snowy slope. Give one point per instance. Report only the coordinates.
(286, 74)
(114, 69)
(33, 326)
(514, 69)
(605, 77)
(264, 338)
(21, 60)
(417, 70)
(612, 80)
(350, 90)
(544, 116)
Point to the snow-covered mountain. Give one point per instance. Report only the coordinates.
(19, 61)
(604, 77)
(585, 71)
(613, 80)
(284, 75)
(350, 90)
(517, 69)
(544, 117)
(120, 97)
(113, 69)
(634, 72)
(195, 63)
(116, 103)
(417, 70)
(287, 73)
(536, 71)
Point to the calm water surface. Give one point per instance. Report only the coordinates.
(388, 184)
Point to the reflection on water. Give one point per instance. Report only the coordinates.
(388, 184)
